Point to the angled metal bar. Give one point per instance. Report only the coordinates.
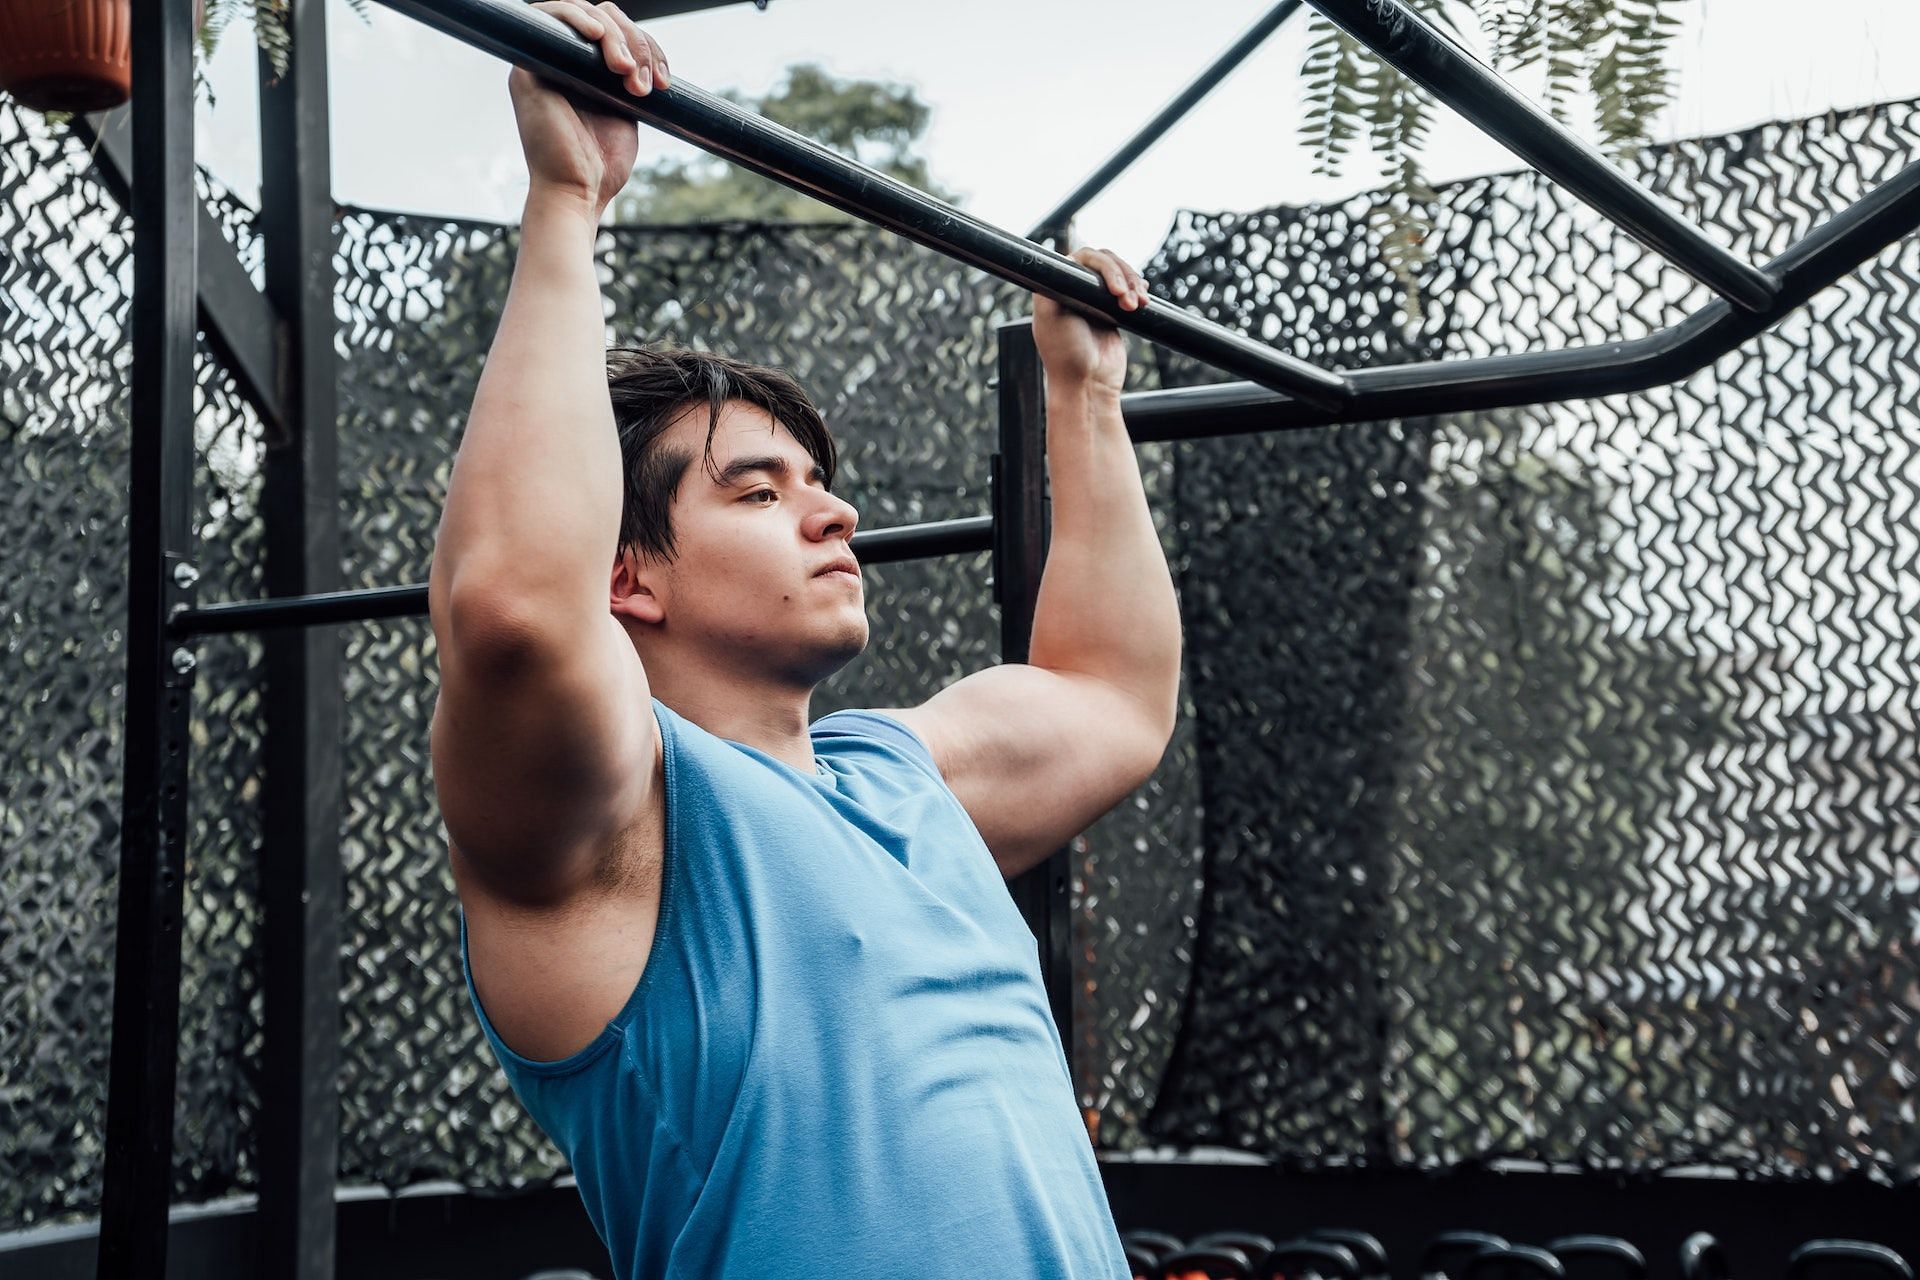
(541, 43)
(239, 321)
(1432, 59)
(1833, 249)
(1055, 223)
(876, 546)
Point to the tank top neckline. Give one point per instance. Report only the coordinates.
(822, 773)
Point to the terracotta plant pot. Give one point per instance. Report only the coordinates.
(69, 55)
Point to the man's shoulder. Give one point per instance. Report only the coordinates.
(903, 726)
(899, 728)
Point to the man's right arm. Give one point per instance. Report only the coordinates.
(543, 745)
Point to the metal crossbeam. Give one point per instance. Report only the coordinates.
(543, 44)
(1426, 55)
(876, 546)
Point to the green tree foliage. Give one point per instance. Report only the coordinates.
(1614, 50)
(874, 122)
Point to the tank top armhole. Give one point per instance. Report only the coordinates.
(616, 1028)
(517, 1063)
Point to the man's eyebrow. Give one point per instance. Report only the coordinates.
(773, 464)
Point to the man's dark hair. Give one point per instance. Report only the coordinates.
(650, 387)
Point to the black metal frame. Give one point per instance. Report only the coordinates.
(1017, 483)
(300, 884)
(175, 283)
(142, 1059)
(1828, 252)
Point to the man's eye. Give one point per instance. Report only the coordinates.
(760, 493)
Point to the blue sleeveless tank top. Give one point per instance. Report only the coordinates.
(839, 1060)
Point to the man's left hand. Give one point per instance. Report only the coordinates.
(1077, 351)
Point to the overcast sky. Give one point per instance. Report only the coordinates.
(1028, 96)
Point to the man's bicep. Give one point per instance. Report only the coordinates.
(536, 768)
(1035, 756)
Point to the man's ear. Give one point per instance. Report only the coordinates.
(631, 593)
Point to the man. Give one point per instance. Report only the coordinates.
(759, 979)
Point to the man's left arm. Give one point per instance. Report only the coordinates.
(1037, 751)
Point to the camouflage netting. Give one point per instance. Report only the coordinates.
(1558, 764)
(1540, 788)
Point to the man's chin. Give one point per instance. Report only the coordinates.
(824, 658)
(851, 649)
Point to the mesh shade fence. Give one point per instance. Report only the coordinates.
(1558, 764)
(1539, 785)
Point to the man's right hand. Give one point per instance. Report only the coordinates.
(576, 150)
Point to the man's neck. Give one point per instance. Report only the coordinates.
(767, 718)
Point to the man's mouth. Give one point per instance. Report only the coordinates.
(846, 568)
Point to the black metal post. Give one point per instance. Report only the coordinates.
(153, 806)
(543, 44)
(300, 878)
(1018, 475)
(871, 546)
(1831, 250)
(1426, 55)
(1054, 224)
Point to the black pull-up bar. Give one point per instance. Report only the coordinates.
(541, 43)
(1425, 55)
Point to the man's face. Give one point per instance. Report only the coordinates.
(745, 586)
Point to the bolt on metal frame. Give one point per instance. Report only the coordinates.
(1279, 393)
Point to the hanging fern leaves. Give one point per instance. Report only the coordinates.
(1615, 50)
(1349, 88)
(1337, 71)
(270, 18)
(1517, 31)
(270, 28)
(1633, 82)
(1398, 116)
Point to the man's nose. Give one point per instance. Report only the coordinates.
(842, 518)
